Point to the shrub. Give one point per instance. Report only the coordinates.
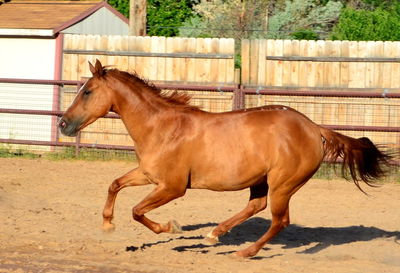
(364, 25)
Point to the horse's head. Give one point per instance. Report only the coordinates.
(93, 101)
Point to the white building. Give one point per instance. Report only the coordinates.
(31, 45)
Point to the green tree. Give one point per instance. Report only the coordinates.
(380, 3)
(121, 5)
(238, 19)
(164, 17)
(364, 25)
(242, 19)
(304, 34)
(304, 19)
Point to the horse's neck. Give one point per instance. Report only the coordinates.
(137, 110)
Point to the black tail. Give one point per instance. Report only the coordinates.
(361, 158)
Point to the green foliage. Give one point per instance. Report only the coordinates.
(195, 27)
(165, 16)
(230, 19)
(290, 19)
(380, 3)
(67, 153)
(121, 5)
(7, 151)
(364, 25)
(90, 154)
(299, 16)
(299, 19)
(304, 34)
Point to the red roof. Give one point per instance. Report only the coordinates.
(55, 15)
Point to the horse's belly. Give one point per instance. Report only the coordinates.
(226, 178)
(221, 184)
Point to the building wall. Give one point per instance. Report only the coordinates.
(26, 58)
(102, 22)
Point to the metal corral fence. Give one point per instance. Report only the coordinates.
(354, 113)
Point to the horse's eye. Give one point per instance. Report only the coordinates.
(87, 92)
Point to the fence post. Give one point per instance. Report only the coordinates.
(242, 97)
(235, 102)
(238, 98)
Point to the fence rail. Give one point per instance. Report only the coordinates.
(44, 82)
(333, 59)
(321, 93)
(149, 54)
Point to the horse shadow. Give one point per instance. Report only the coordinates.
(294, 236)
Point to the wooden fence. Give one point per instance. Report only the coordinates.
(159, 59)
(322, 64)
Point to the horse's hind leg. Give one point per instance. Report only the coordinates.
(280, 220)
(132, 178)
(281, 190)
(257, 203)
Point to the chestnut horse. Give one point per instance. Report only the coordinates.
(271, 150)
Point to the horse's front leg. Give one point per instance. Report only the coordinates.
(161, 195)
(132, 178)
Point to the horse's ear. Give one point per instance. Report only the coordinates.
(97, 69)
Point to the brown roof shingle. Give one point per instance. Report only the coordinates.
(55, 15)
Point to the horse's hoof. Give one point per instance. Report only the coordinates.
(108, 228)
(174, 227)
(245, 253)
(237, 256)
(211, 239)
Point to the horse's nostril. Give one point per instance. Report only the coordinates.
(62, 124)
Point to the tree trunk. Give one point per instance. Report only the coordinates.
(137, 17)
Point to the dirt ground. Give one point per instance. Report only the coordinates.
(51, 213)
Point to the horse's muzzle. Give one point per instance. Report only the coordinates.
(69, 128)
